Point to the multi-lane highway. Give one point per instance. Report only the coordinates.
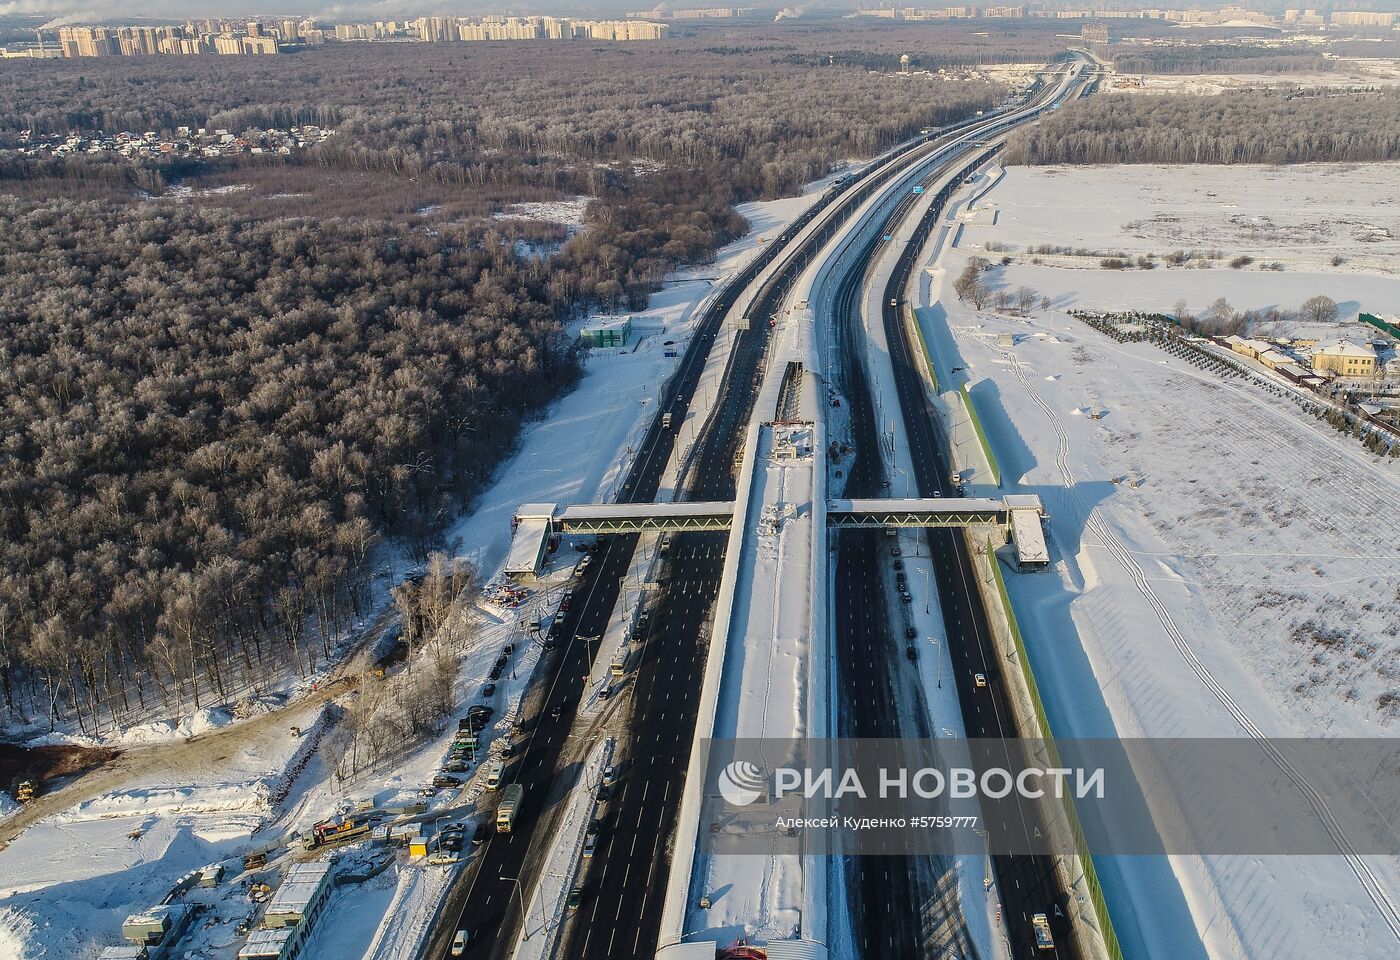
(622, 883)
(901, 903)
(1027, 884)
(487, 903)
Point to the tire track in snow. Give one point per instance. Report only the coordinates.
(1374, 888)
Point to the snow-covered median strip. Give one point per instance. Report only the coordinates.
(548, 912)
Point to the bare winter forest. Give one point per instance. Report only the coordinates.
(1264, 126)
(215, 402)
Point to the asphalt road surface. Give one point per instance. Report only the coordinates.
(1027, 884)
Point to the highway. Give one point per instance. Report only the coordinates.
(906, 905)
(625, 879)
(1027, 884)
(486, 902)
(624, 882)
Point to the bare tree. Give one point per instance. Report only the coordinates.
(1025, 299)
(1318, 309)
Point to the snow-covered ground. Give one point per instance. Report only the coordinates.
(1301, 216)
(1223, 564)
(1350, 73)
(67, 882)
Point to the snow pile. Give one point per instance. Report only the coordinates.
(60, 739)
(162, 731)
(8, 805)
(17, 936)
(249, 797)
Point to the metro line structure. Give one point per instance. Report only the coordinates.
(757, 634)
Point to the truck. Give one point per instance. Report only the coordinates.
(666, 420)
(1043, 940)
(337, 831)
(509, 806)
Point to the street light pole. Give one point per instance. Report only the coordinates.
(520, 893)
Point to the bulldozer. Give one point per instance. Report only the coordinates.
(25, 793)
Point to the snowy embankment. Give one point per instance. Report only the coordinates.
(1215, 573)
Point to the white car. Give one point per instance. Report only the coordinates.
(979, 679)
(442, 858)
(459, 943)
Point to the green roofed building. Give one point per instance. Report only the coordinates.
(601, 332)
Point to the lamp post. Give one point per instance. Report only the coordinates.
(520, 893)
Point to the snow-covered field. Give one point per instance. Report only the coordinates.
(1350, 73)
(1301, 217)
(1223, 564)
(67, 882)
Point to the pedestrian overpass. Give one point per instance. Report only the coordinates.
(535, 523)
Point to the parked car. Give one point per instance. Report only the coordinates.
(459, 943)
(575, 898)
(565, 604)
(912, 652)
(442, 858)
(910, 633)
(590, 845)
(489, 690)
(444, 780)
(906, 597)
(610, 774)
(895, 551)
(481, 833)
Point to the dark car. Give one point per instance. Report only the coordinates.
(575, 898)
(496, 672)
(480, 834)
(894, 551)
(905, 596)
(549, 644)
(565, 603)
(898, 564)
(456, 766)
(912, 652)
(450, 841)
(556, 711)
(489, 690)
(442, 781)
(910, 633)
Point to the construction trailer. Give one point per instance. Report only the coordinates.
(158, 927)
(283, 943)
(301, 897)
